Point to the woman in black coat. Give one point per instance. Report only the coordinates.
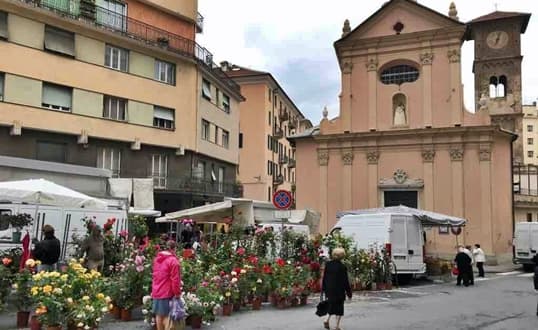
(335, 285)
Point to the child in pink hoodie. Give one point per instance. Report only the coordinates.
(166, 284)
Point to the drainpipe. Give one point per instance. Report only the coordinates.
(514, 138)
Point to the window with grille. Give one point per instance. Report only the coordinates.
(115, 108)
(159, 170)
(56, 97)
(399, 74)
(112, 14)
(225, 139)
(206, 89)
(163, 117)
(205, 130)
(165, 72)
(117, 58)
(110, 159)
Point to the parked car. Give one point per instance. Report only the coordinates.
(525, 244)
(401, 235)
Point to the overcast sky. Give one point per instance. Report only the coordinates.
(293, 39)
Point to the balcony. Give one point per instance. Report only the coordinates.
(98, 17)
(278, 179)
(291, 163)
(282, 160)
(292, 124)
(278, 133)
(197, 186)
(199, 23)
(283, 115)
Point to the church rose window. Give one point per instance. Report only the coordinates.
(399, 74)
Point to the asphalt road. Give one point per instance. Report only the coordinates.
(501, 301)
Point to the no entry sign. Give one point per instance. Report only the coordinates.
(282, 199)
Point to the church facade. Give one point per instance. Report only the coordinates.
(403, 135)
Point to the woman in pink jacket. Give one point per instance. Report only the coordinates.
(166, 284)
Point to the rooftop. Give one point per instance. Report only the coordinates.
(502, 15)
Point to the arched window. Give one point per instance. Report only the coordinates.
(501, 87)
(399, 74)
(493, 87)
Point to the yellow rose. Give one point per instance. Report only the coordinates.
(228, 294)
(37, 262)
(47, 289)
(30, 263)
(69, 300)
(100, 296)
(85, 298)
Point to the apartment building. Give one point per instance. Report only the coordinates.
(530, 134)
(118, 85)
(268, 117)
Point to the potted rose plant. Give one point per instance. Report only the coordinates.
(195, 310)
(22, 284)
(18, 222)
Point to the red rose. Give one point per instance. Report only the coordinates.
(280, 262)
(267, 269)
(241, 251)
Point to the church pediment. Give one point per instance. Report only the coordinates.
(400, 17)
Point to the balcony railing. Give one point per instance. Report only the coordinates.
(199, 23)
(283, 115)
(282, 160)
(278, 179)
(198, 186)
(86, 11)
(291, 163)
(278, 133)
(525, 179)
(292, 124)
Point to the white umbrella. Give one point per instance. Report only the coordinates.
(41, 191)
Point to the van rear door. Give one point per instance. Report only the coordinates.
(533, 238)
(398, 241)
(522, 240)
(415, 245)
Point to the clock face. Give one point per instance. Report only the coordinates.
(497, 39)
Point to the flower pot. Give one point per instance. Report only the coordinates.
(126, 315)
(380, 286)
(281, 303)
(293, 301)
(388, 286)
(16, 236)
(236, 306)
(116, 312)
(34, 323)
(227, 309)
(54, 327)
(304, 300)
(196, 322)
(22, 319)
(256, 303)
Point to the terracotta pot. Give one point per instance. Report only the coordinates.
(388, 286)
(294, 301)
(265, 298)
(281, 303)
(126, 315)
(304, 300)
(256, 303)
(380, 286)
(116, 312)
(34, 323)
(196, 322)
(272, 299)
(188, 320)
(236, 306)
(22, 319)
(54, 327)
(227, 309)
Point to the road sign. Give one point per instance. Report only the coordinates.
(282, 214)
(282, 199)
(455, 230)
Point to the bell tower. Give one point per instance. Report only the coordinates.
(497, 69)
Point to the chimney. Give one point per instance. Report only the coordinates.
(225, 66)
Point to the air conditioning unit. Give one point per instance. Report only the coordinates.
(180, 151)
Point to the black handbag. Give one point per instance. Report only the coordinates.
(536, 278)
(322, 308)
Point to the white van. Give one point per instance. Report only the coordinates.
(525, 243)
(400, 234)
(66, 223)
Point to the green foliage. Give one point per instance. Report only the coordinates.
(19, 221)
(138, 226)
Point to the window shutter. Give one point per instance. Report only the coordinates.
(163, 113)
(59, 41)
(1, 86)
(206, 89)
(3, 25)
(57, 95)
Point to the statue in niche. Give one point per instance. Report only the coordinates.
(399, 108)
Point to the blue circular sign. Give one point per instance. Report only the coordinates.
(282, 199)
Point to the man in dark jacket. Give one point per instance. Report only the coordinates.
(48, 250)
(535, 259)
(464, 263)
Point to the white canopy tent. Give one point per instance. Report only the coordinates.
(41, 191)
(427, 218)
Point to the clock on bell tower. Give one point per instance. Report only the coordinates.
(497, 67)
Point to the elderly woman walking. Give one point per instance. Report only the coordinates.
(335, 285)
(166, 284)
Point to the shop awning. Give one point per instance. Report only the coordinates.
(216, 212)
